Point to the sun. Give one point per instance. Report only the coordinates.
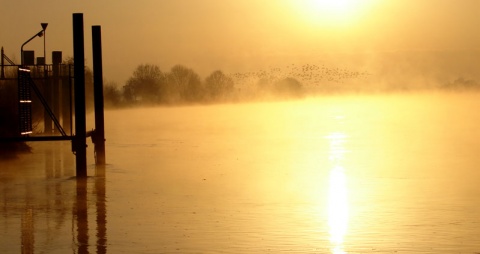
(330, 12)
(333, 6)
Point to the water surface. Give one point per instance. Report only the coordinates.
(335, 174)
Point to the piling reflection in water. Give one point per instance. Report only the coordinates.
(81, 212)
(101, 207)
(47, 209)
(337, 193)
(28, 239)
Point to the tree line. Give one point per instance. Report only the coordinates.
(148, 85)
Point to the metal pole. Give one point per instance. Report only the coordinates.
(80, 140)
(44, 49)
(46, 84)
(2, 75)
(44, 26)
(39, 34)
(99, 135)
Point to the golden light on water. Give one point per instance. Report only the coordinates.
(327, 175)
(337, 150)
(337, 193)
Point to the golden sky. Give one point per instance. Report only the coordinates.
(241, 35)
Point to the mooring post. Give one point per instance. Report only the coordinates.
(80, 140)
(99, 136)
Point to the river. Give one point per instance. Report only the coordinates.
(394, 173)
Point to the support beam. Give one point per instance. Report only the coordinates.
(80, 140)
(35, 138)
(54, 82)
(47, 95)
(99, 136)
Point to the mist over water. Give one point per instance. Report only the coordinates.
(330, 174)
(319, 126)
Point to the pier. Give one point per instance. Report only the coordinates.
(59, 88)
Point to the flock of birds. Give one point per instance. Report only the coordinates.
(307, 74)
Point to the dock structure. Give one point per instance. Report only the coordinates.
(52, 85)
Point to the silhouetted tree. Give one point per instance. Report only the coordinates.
(218, 85)
(128, 94)
(88, 83)
(288, 87)
(185, 84)
(146, 84)
(89, 100)
(111, 94)
(462, 83)
(264, 84)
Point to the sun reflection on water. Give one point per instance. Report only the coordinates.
(337, 193)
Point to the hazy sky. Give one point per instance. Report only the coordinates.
(240, 35)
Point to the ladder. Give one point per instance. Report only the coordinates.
(25, 82)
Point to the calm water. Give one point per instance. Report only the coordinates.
(346, 174)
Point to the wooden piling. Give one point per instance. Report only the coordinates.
(80, 140)
(99, 137)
